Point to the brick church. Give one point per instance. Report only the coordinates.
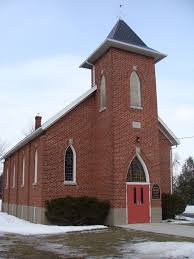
(109, 143)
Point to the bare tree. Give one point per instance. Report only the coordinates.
(176, 166)
(29, 130)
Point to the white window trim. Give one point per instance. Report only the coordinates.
(7, 178)
(74, 167)
(13, 180)
(35, 181)
(23, 171)
(136, 107)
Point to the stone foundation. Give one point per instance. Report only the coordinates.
(117, 216)
(30, 213)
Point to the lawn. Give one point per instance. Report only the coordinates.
(105, 243)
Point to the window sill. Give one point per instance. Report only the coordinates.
(102, 109)
(136, 107)
(22, 185)
(70, 183)
(34, 184)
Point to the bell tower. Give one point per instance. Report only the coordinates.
(123, 69)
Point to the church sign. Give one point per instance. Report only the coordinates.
(155, 192)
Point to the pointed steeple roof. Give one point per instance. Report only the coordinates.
(122, 32)
(122, 37)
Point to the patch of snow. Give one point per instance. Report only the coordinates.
(189, 209)
(0, 204)
(160, 250)
(184, 219)
(12, 224)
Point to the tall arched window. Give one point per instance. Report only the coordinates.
(136, 172)
(7, 178)
(35, 167)
(23, 171)
(13, 180)
(135, 90)
(103, 93)
(70, 165)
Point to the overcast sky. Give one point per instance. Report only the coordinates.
(43, 42)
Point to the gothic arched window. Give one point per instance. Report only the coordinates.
(136, 172)
(70, 165)
(103, 93)
(35, 167)
(135, 90)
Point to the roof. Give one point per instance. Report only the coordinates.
(162, 126)
(168, 133)
(122, 32)
(122, 37)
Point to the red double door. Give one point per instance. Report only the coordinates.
(138, 203)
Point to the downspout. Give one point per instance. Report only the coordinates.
(93, 73)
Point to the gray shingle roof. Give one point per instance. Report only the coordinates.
(122, 37)
(122, 32)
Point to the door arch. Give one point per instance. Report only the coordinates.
(138, 191)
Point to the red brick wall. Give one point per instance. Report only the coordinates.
(77, 125)
(28, 194)
(165, 163)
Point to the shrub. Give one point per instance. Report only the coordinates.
(77, 211)
(172, 204)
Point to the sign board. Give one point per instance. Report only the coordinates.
(155, 192)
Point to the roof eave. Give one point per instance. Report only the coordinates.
(168, 133)
(22, 143)
(108, 43)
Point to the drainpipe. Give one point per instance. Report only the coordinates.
(93, 73)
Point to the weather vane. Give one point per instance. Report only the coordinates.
(120, 10)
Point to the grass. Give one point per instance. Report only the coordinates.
(91, 244)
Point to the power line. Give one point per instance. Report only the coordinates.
(185, 137)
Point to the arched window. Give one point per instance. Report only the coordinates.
(35, 167)
(13, 182)
(136, 172)
(103, 93)
(23, 171)
(135, 90)
(70, 165)
(7, 179)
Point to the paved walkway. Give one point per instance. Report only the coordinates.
(163, 228)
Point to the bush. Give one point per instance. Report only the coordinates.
(172, 204)
(77, 211)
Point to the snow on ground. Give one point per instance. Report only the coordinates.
(11, 224)
(161, 250)
(189, 209)
(184, 219)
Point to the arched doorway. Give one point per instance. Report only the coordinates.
(138, 192)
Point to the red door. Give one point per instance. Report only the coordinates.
(138, 203)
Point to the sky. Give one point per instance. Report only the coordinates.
(43, 42)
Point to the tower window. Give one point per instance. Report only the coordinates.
(135, 90)
(103, 93)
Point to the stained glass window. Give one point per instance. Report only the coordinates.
(136, 172)
(69, 164)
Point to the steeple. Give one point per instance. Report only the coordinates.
(122, 37)
(123, 33)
